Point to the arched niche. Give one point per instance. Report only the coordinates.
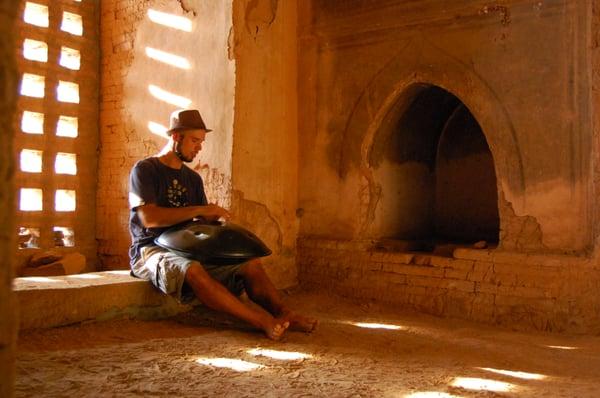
(434, 171)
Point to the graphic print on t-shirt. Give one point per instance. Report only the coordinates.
(177, 194)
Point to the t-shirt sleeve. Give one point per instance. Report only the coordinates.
(201, 195)
(142, 185)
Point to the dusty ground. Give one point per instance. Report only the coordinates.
(410, 355)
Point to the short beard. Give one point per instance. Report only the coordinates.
(179, 154)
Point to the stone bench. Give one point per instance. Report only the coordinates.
(46, 302)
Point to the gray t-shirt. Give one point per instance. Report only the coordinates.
(152, 182)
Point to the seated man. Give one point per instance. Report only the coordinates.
(165, 192)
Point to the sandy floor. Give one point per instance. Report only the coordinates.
(410, 355)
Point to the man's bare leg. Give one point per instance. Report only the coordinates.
(261, 290)
(214, 295)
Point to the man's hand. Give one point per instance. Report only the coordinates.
(153, 216)
(213, 212)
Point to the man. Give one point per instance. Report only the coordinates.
(165, 192)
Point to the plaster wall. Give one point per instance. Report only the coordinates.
(528, 72)
(135, 109)
(265, 144)
(360, 62)
(8, 97)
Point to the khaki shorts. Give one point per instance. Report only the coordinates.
(167, 271)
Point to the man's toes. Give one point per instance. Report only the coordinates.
(278, 330)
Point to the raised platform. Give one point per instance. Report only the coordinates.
(547, 292)
(62, 300)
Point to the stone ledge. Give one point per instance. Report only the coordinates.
(46, 302)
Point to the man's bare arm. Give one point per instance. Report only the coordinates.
(153, 216)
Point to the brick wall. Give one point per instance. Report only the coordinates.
(542, 292)
(117, 32)
(8, 96)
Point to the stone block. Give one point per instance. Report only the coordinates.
(472, 254)
(415, 270)
(459, 274)
(462, 286)
(46, 302)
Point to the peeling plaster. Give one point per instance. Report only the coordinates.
(518, 233)
(260, 14)
(186, 7)
(370, 195)
(231, 44)
(502, 10)
(257, 218)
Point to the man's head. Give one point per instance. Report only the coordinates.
(187, 131)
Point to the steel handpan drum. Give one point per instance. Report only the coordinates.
(213, 243)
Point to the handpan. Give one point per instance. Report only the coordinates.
(213, 243)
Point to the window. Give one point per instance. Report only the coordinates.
(57, 114)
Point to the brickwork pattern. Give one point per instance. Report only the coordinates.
(541, 292)
(120, 146)
(8, 88)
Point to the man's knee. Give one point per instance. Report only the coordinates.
(197, 274)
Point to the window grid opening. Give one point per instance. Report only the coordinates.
(35, 50)
(32, 122)
(65, 200)
(28, 238)
(70, 58)
(63, 237)
(65, 163)
(67, 92)
(72, 23)
(36, 14)
(67, 126)
(33, 85)
(31, 161)
(31, 199)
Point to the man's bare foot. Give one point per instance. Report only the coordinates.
(276, 328)
(300, 323)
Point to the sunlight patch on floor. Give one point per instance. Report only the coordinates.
(430, 394)
(276, 354)
(474, 383)
(234, 364)
(519, 375)
(373, 325)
